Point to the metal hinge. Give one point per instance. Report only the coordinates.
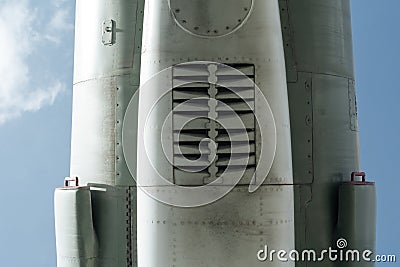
(108, 37)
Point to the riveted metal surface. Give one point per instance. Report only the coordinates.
(302, 196)
(301, 117)
(336, 151)
(288, 41)
(131, 227)
(267, 56)
(92, 58)
(322, 37)
(317, 48)
(321, 42)
(125, 92)
(106, 76)
(211, 18)
(109, 208)
(227, 241)
(236, 227)
(93, 134)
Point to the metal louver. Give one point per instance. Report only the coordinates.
(213, 122)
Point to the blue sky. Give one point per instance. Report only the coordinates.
(36, 40)
(377, 56)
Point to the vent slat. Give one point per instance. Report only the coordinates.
(233, 129)
(237, 160)
(246, 70)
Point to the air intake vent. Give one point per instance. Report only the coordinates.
(213, 122)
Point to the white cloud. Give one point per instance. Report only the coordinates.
(60, 21)
(19, 39)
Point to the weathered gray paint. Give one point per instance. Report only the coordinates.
(76, 238)
(357, 219)
(106, 76)
(98, 228)
(319, 62)
(212, 235)
(105, 79)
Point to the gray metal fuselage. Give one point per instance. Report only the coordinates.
(300, 56)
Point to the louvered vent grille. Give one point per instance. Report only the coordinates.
(214, 127)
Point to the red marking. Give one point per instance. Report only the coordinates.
(362, 182)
